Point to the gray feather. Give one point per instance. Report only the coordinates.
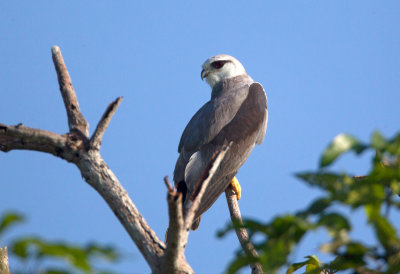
(259, 90)
(237, 112)
(227, 97)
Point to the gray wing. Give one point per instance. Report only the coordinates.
(258, 88)
(210, 119)
(245, 130)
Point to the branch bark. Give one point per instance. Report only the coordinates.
(179, 225)
(241, 233)
(4, 268)
(174, 257)
(95, 141)
(76, 121)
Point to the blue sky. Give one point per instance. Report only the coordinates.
(327, 67)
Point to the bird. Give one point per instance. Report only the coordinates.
(237, 114)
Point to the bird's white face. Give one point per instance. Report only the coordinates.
(221, 67)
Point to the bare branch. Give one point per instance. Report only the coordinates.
(22, 137)
(76, 121)
(179, 224)
(96, 173)
(174, 258)
(4, 269)
(168, 184)
(95, 141)
(241, 233)
(74, 147)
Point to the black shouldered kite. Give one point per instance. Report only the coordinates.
(237, 112)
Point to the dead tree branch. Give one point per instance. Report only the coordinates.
(76, 121)
(4, 269)
(76, 147)
(179, 226)
(175, 252)
(95, 141)
(241, 233)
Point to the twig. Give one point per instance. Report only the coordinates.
(241, 233)
(168, 184)
(95, 141)
(76, 121)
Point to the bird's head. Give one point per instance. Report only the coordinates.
(221, 67)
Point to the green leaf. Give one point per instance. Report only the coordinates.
(385, 232)
(314, 264)
(346, 261)
(9, 219)
(334, 222)
(356, 249)
(107, 252)
(340, 144)
(384, 174)
(319, 206)
(252, 225)
(20, 248)
(331, 182)
(275, 253)
(37, 248)
(296, 266)
(394, 146)
(378, 141)
(395, 187)
(351, 258)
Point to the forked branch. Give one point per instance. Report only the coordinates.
(76, 147)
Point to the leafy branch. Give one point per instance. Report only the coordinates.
(374, 193)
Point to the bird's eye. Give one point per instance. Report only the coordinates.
(218, 64)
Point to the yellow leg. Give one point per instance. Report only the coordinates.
(236, 187)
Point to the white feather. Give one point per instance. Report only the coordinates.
(230, 69)
(194, 169)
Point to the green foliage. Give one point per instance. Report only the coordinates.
(374, 194)
(313, 265)
(341, 144)
(34, 250)
(9, 219)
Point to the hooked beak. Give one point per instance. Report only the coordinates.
(204, 74)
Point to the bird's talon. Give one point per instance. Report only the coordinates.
(236, 187)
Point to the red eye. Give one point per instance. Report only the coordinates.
(218, 64)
